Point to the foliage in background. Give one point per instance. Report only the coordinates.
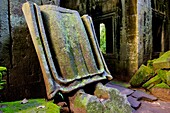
(2, 82)
(103, 38)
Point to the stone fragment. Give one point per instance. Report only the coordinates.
(134, 102)
(161, 93)
(162, 85)
(104, 100)
(122, 89)
(162, 62)
(153, 81)
(141, 76)
(168, 78)
(162, 74)
(143, 96)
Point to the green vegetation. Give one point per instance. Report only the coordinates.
(2, 82)
(33, 106)
(103, 38)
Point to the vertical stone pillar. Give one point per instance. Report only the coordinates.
(128, 39)
(4, 34)
(144, 12)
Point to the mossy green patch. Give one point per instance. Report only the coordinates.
(162, 85)
(162, 62)
(162, 74)
(150, 63)
(141, 76)
(168, 78)
(30, 107)
(152, 82)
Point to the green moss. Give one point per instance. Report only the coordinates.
(162, 62)
(162, 85)
(150, 63)
(162, 74)
(168, 78)
(141, 76)
(152, 82)
(30, 107)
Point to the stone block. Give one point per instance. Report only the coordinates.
(105, 100)
(139, 95)
(153, 81)
(162, 62)
(143, 74)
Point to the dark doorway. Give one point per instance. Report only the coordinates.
(157, 24)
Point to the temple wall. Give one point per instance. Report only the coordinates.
(144, 12)
(129, 23)
(18, 54)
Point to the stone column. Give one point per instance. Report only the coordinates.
(4, 34)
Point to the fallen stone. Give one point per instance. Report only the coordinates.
(143, 96)
(143, 74)
(123, 90)
(152, 82)
(161, 91)
(168, 78)
(134, 102)
(162, 62)
(162, 74)
(104, 100)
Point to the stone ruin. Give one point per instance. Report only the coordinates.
(132, 37)
(70, 59)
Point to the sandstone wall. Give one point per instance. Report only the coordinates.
(17, 53)
(144, 12)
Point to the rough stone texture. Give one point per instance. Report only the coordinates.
(143, 96)
(141, 76)
(144, 30)
(150, 83)
(134, 102)
(4, 34)
(154, 107)
(161, 93)
(162, 62)
(116, 103)
(25, 77)
(123, 90)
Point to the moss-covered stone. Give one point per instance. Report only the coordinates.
(152, 82)
(168, 78)
(141, 76)
(105, 100)
(162, 75)
(150, 63)
(162, 62)
(162, 85)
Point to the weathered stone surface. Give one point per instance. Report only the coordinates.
(162, 85)
(161, 93)
(123, 90)
(134, 102)
(154, 107)
(143, 96)
(153, 81)
(25, 70)
(162, 62)
(107, 100)
(141, 76)
(168, 78)
(4, 34)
